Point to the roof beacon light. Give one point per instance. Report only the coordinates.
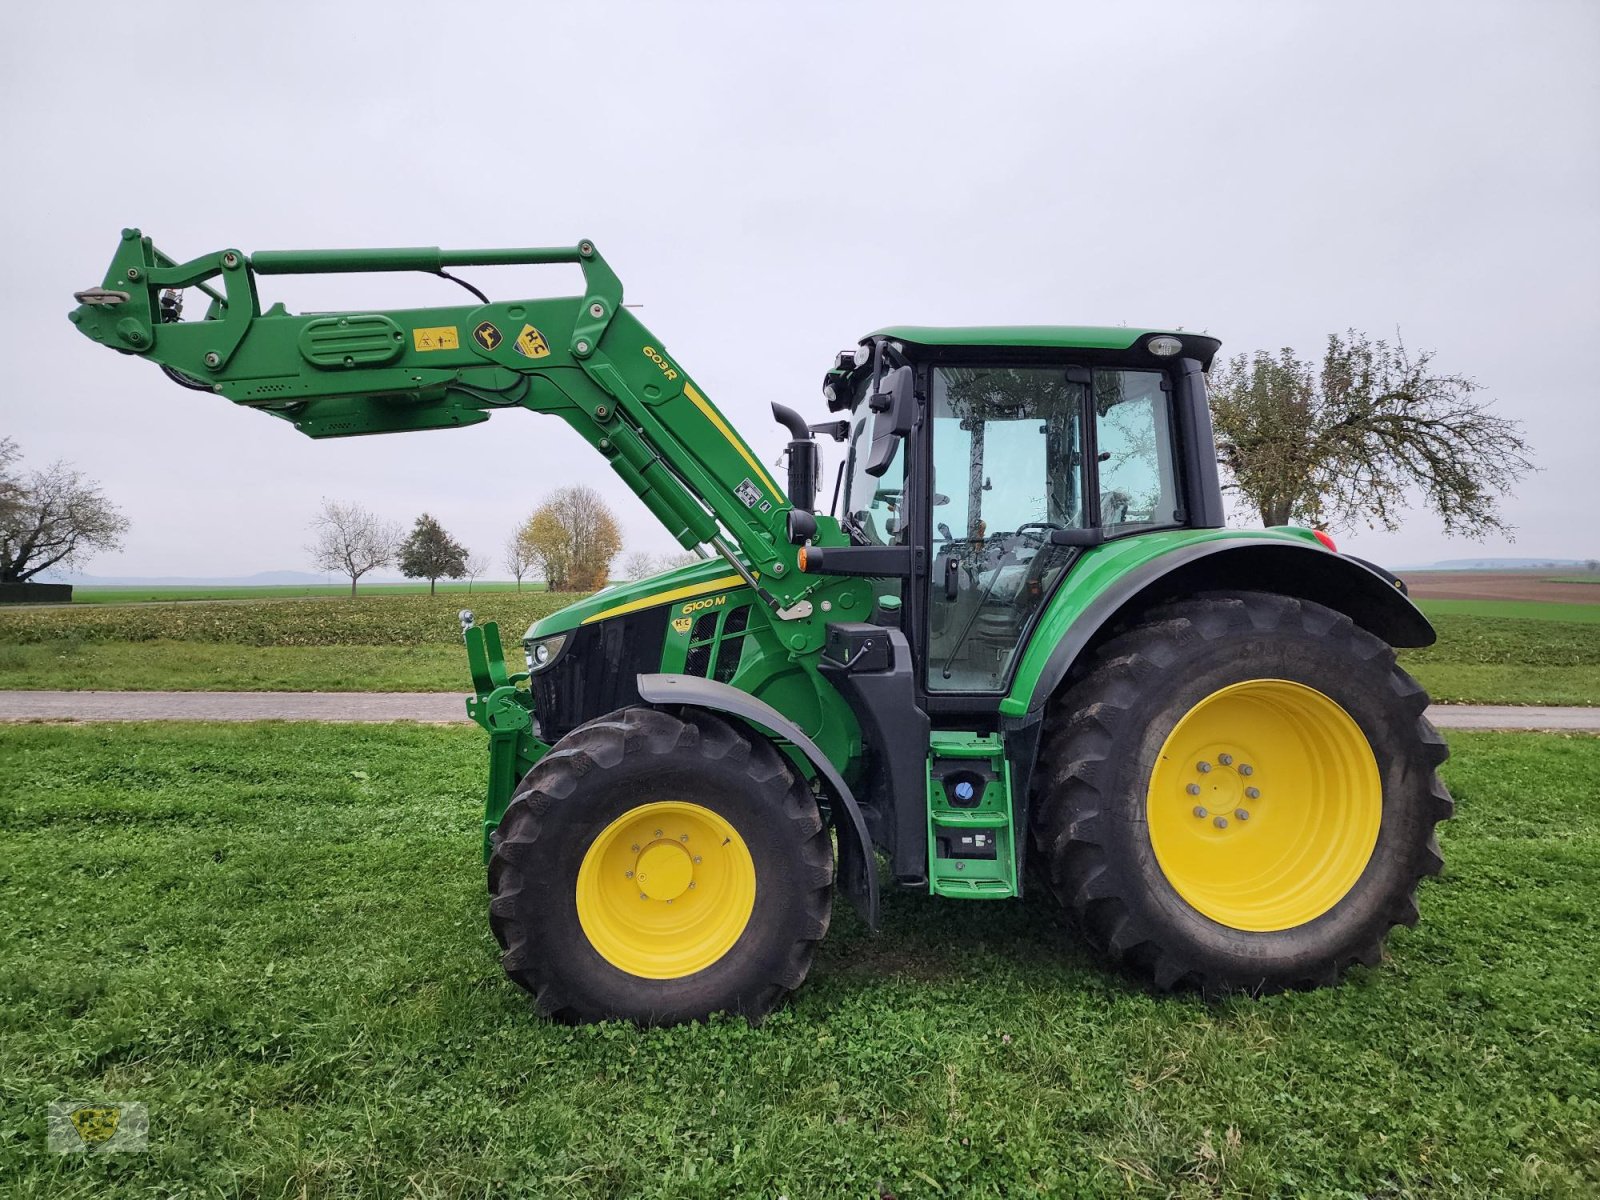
(1325, 540)
(1164, 346)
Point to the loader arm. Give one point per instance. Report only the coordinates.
(585, 359)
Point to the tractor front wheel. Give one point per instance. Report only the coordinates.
(1240, 794)
(659, 868)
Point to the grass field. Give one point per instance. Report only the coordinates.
(1493, 651)
(94, 594)
(1510, 652)
(274, 937)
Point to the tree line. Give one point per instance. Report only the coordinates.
(570, 541)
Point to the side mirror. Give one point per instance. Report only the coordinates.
(895, 405)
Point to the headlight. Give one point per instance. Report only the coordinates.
(544, 651)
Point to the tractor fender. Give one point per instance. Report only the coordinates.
(858, 874)
(1375, 600)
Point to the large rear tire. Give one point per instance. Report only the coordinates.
(1240, 795)
(659, 868)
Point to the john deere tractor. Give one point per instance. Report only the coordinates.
(1017, 636)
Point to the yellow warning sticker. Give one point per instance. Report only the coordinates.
(531, 343)
(436, 337)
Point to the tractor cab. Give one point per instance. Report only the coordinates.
(1027, 447)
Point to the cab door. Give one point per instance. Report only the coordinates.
(1015, 454)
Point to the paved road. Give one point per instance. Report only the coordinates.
(448, 707)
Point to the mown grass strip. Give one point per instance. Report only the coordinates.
(274, 936)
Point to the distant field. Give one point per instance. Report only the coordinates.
(1498, 585)
(144, 595)
(1489, 651)
(1518, 610)
(396, 619)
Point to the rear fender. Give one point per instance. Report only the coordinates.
(858, 873)
(1374, 600)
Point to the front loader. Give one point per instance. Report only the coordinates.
(1018, 644)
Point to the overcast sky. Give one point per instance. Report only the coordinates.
(771, 182)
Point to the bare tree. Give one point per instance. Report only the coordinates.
(351, 540)
(1341, 443)
(640, 565)
(473, 568)
(10, 483)
(51, 518)
(574, 537)
(518, 559)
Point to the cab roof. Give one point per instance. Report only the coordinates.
(1068, 337)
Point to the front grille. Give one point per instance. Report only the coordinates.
(597, 671)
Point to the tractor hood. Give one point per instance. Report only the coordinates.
(712, 574)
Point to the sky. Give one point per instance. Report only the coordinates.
(771, 182)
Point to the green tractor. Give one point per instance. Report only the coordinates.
(1020, 637)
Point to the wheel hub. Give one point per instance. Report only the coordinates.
(664, 870)
(666, 889)
(1264, 805)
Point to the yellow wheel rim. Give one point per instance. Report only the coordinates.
(666, 890)
(1264, 805)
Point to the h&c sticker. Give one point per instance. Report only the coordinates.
(531, 343)
(487, 336)
(436, 337)
(682, 624)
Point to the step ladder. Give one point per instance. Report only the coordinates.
(972, 848)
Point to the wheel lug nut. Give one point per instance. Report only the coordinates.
(658, 833)
(627, 874)
(1221, 822)
(1225, 759)
(1247, 769)
(1242, 814)
(691, 883)
(642, 896)
(696, 858)
(1199, 811)
(1253, 792)
(1193, 789)
(1202, 767)
(683, 837)
(634, 847)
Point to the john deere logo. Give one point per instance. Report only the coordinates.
(487, 336)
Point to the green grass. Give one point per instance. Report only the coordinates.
(1520, 610)
(97, 594)
(1489, 652)
(399, 620)
(219, 667)
(274, 936)
(1485, 657)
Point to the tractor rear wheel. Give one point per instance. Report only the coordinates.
(659, 868)
(1240, 795)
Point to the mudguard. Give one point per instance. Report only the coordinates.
(858, 874)
(1374, 600)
